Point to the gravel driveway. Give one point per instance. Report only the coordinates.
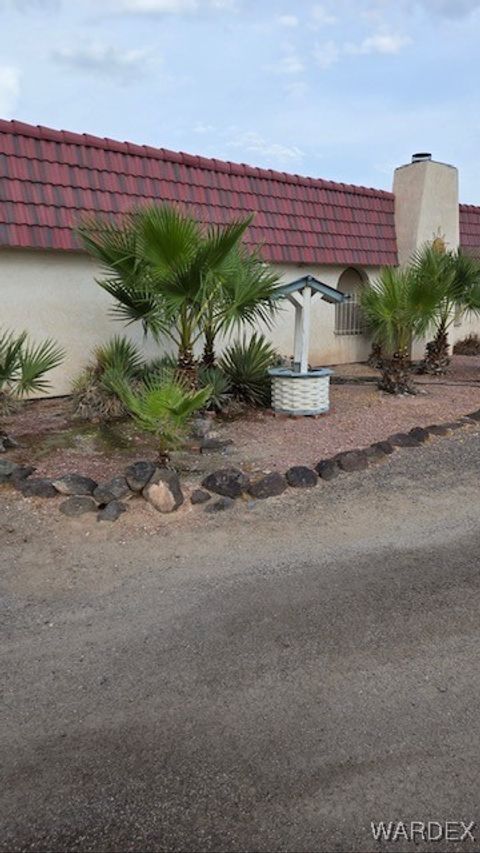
(270, 680)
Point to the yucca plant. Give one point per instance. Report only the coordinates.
(245, 363)
(398, 307)
(93, 397)
(163, 406)
(24, 365)
(219, 384)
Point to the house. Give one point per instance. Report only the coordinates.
(342, 234)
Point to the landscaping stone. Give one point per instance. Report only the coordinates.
(112, 490)
(374, 453)
(327, 469)
(78, 505)
(454, 424)
(201, 427)
(21, 473)
(37, 487)
(164, 491)
(474, 415)
(403, 439)
(229, 482)
(8, 442)
(420, 434)
(75, 484)
(268, 486)
(221, 504)
(437, 429)
(385, 446)
(301, 477)
(111, 511)
(7, 467)
(352, 460)
(214, 445)
(139, 474)
(199, 496)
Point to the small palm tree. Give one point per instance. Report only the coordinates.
(24, 365)
(456, 278)
(398, 307)
(179, 279)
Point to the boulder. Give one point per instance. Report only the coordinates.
(164, 491)
(268, 486)
(385, 446)
(301, 477)
(111, 511)
(21, 473)
(327, 469)
(420, 434)
(220, 504)
(214, 445)
(403, 439)
(7, 467)
(353, 460)
(78, 505)
(229, 482)
(474, 415)
(75, 484)
(438, 429)
(199, 496)
(37, 487)
(139, 474)
(112, 490)
(374, 453)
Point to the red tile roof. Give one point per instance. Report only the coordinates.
(50, 179)
(470, 229)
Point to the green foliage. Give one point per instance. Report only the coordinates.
(162, 405)
(455, 279)
(24, 365)
(470, 345)
(219, 384)
(92, 393)
(245, 364)
(179, 279)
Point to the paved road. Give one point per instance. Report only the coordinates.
(274, 681)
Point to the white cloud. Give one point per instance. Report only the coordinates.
(171, 7)
(290, 64)
(386, 43)
(321, 17)
(122, 65)
(9, 89)
(326, 54)
(257, 144)
(288, 20)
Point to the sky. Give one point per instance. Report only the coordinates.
(343, 89)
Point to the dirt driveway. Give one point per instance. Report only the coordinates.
(269, 679)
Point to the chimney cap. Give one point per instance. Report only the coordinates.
(420, 156)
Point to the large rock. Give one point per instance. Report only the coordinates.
(78, 505)
(112, 490)
(229, 482)
(75, 484)
(352, 460)
(21, 473)
(403, 439)
(385, 446)
(111, 511)
(268, 486)
(199, 496)
(420, 434)
(301, 477)
(139, 474)
(164, 491)
(37, 487)
(327, 469)
(374, 453)
(438, 429)
(7, 467)
(220, 504)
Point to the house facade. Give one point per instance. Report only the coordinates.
(342, 234)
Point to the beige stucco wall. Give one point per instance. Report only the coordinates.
(53, 294)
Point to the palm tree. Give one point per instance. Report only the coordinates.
(398, 307)
(456, 278)
(179, 279)
(23, 366)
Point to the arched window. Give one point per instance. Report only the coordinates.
(348, 315)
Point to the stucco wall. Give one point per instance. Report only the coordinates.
(54, 295)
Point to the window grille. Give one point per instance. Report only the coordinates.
(349, 317)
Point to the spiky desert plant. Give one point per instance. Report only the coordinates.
(24, 365)
(245, 363)
(93, 397)
(219, 384)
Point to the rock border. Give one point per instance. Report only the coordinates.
(161, 487)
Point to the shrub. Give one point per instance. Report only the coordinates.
(23, 366)
(219, 384)
(92, 393)
(468, 346)
(245, 364)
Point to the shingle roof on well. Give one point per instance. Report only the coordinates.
(51, 179)
(470, 229)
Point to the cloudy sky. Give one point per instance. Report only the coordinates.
(342, 89)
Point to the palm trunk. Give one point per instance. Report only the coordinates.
(187, 368)
(437, 357)
(208, 359)
(396, 376)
